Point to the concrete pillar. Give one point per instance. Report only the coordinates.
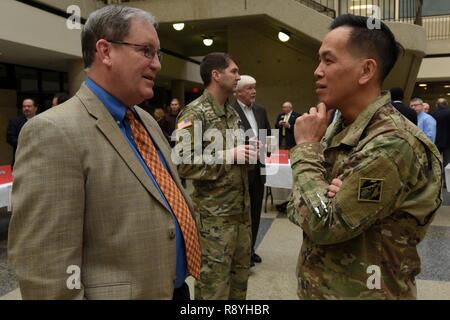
(178, 90)
(76, 75)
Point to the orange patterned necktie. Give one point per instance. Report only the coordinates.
(170, 190)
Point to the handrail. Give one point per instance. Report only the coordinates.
(319, 7)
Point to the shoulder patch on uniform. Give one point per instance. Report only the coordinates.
(370, 189)
(186, 123)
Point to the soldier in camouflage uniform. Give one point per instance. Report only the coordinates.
(220, 196)
(360, 239)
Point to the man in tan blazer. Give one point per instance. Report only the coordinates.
(91, 219)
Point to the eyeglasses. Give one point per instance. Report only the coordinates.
(148, 51)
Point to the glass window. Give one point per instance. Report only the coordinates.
(3, 71)
(435, 7)
(27, 79)
(50, 81)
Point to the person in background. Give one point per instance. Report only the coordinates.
(426, 107)
(159, 114)
(442, 117)
(170, 120)
(397, 102)
(425, 122)
(221, 198)
(285, 123)
(254, 118)
(29, 110)
(59, 98)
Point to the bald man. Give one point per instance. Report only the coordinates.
(285, 123)
(29, 110)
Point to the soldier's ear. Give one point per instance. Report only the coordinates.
(215, 75)
(368, 71)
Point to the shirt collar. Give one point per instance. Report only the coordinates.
(114, 106)
(351, 134)
(244, 106)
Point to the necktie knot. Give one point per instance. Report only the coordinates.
(130, 115)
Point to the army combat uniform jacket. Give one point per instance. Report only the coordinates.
(362, 244)
(221, 200)
(221, 189)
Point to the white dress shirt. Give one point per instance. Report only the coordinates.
(248, 111)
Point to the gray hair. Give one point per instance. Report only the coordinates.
(417, 99)
(245, 81)
(111, 23)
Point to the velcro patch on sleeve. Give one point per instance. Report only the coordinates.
(370, 189)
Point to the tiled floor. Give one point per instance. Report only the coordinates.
(279, 243)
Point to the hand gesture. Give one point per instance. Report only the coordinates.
(311, 127)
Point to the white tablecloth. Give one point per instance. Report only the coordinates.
(5, 195)
(278, 175)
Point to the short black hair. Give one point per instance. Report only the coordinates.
(34, 102)
(213, 61)
(397, 94)
(61, 97)
(377, 43)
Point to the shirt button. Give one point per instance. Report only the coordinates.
(172, 234)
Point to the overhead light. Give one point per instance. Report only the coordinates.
(284, 36)
(208, 41)
(423, 85)
(448, 94)
(178, 26)
(446, 86)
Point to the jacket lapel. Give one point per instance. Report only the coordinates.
(112, 133)
(243, 117)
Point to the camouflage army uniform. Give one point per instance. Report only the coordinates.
(221, 205)
(391, 175)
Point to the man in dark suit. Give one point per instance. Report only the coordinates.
(254, 118)
(29, 110)
(285, 123)
(442, 116)
(397, 102)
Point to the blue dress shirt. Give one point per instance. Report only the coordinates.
(118, 112)
(427, 124)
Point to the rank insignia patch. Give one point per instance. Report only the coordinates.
(370, 189)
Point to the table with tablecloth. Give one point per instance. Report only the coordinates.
(278, 173)
(5, 187)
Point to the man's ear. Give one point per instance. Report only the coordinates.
(103, 51)
(215, 75)
(368, 71)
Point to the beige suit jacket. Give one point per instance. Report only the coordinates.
(81, 199)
